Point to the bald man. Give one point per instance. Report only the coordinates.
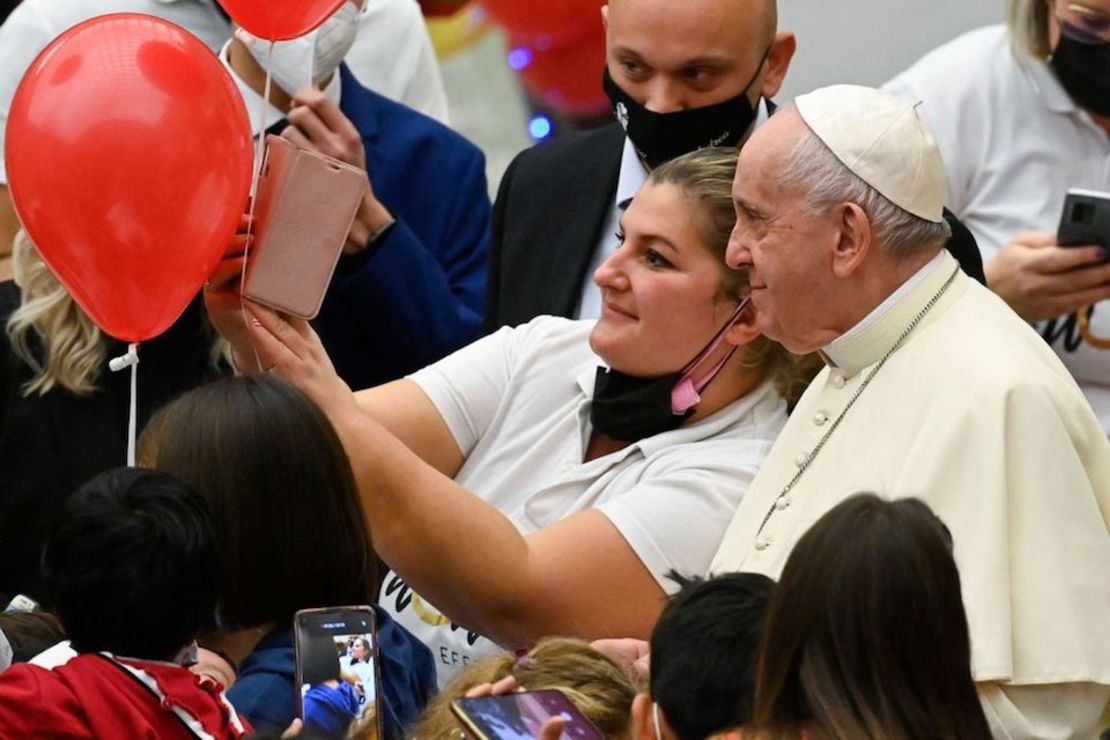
(680, 76)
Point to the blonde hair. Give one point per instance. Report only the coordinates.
(52, 335)
(706, 176)
(596, 685)
(1028, 24)
(73, 351)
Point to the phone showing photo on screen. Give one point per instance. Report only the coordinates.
(520, 715)
(338, 672)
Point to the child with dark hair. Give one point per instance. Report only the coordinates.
(293, 533)
(867, 636)
(133, 568)
(703, 658)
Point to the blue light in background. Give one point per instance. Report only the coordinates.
(539, 127)
(520, 57)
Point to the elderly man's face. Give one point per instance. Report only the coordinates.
(673, 56)
(787, 249)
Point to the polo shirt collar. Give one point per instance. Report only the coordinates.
(695, 432)
(1047, 86)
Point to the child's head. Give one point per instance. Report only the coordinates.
(596, 685)
(132, 565)
(703, 656)
(866, 635)
(282, 494)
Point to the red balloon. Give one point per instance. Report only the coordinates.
(280, 20)
(565, 44)
(129, 162)
(546, 24)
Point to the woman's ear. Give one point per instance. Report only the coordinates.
(745, 330)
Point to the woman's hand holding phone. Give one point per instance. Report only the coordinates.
(290, 347)
(222, 299)
(1042, 280)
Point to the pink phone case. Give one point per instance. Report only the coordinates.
(306, 203)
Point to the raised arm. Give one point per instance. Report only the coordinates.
(578, 576)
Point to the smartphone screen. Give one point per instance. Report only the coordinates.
(520, 716)
(337, 672)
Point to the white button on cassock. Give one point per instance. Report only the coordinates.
(820, 418)
(762, 542)
(782, 502)
(800, 460)
(837, 380)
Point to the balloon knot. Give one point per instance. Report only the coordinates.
(125, 360)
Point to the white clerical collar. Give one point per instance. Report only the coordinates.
(633, 172)
(838, 353)
(264, 114)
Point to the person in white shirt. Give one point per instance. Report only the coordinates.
(546, 479)
(933, 389)
(392, 55)
(1021, 115)
(359, 660)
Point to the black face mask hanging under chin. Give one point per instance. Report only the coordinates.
(1084, 71)
(629, 409)
(660, 137)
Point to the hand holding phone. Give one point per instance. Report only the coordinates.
(337, 671)
(1085, 219)
(522, 715)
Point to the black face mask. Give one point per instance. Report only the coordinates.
(1084, 70)
(628, 408)
(660, 137)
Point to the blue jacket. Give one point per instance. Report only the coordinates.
(265, 692)
(420, 295)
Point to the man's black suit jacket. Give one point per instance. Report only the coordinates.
(551, 206)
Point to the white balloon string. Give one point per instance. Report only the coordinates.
(131, 360)
(312, 61)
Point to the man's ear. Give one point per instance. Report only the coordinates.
(642, 728)
(605, 17)
(778, 62)
(855, 240)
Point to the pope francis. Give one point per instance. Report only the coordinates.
(932, 388)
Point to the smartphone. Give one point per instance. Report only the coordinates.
(304, 207)
(1085, 220)
(520, 716)
(338, 672)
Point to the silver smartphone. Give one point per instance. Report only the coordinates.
(1085, 220)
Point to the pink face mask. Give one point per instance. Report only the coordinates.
(685, 394)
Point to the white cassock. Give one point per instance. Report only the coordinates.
(977, 417)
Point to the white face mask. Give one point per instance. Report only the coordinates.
(310, 59)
